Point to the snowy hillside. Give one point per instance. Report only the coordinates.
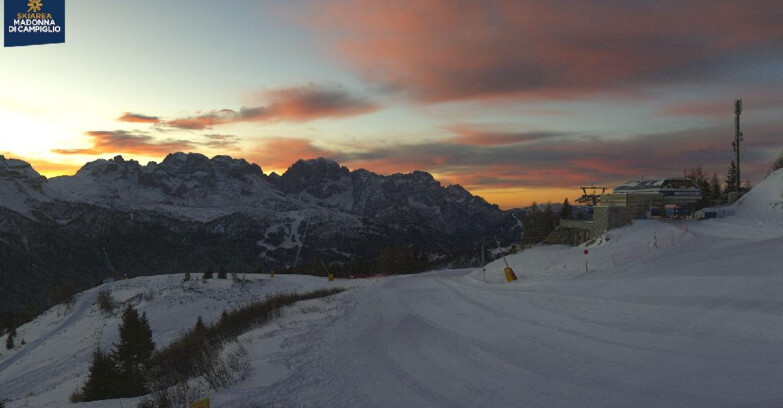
(54, 361)
(667, 314)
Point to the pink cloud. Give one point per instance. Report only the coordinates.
(438, 50)
(296, 104)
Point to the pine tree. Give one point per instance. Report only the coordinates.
(135, 346)
(731, 178)
(207, 274)
(199, 329)
(9, 342)
(133, 352)
(102, 382)
(565, 212)
(529, 224)
(222, 273)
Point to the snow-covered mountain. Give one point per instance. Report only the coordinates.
(190, 185)
(118, 217)
(659, 313)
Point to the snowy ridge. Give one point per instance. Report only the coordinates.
(192, 186)
(189, 185)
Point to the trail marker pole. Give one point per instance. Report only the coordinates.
(586, 252)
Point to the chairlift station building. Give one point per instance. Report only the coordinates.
(629, 201)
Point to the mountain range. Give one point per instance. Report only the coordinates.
(187, 213)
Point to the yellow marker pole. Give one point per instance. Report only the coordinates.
(204, 403)
(510, 275)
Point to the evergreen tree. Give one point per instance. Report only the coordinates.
(207, 274)
(200, 329)
(133, 352)
(9, 342)
(565, 212)
(732, 182)
(222, 273)
(102, 382)
(529, 224)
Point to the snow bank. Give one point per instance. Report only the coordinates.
(765, 199)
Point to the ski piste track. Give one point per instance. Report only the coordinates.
(81, 305)
(445, 340)
(696, 324)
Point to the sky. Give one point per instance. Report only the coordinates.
(515, 100)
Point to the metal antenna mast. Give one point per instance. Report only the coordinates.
(737, 137)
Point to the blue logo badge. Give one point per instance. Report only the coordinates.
(33, 22)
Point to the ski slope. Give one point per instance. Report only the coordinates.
(666, 314)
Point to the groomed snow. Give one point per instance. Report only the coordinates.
(668, 314)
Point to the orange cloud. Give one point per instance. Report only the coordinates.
(279, 153)
(486, 136)
(120, 141)
(137, 118)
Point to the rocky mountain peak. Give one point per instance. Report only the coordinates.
(315, 176)
(117, 164)
(18, 169)
(196, 164)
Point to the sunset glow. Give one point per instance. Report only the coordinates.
(517, 101)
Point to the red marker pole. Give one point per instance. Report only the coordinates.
(586, 260)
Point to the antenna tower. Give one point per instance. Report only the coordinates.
(737, 138)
